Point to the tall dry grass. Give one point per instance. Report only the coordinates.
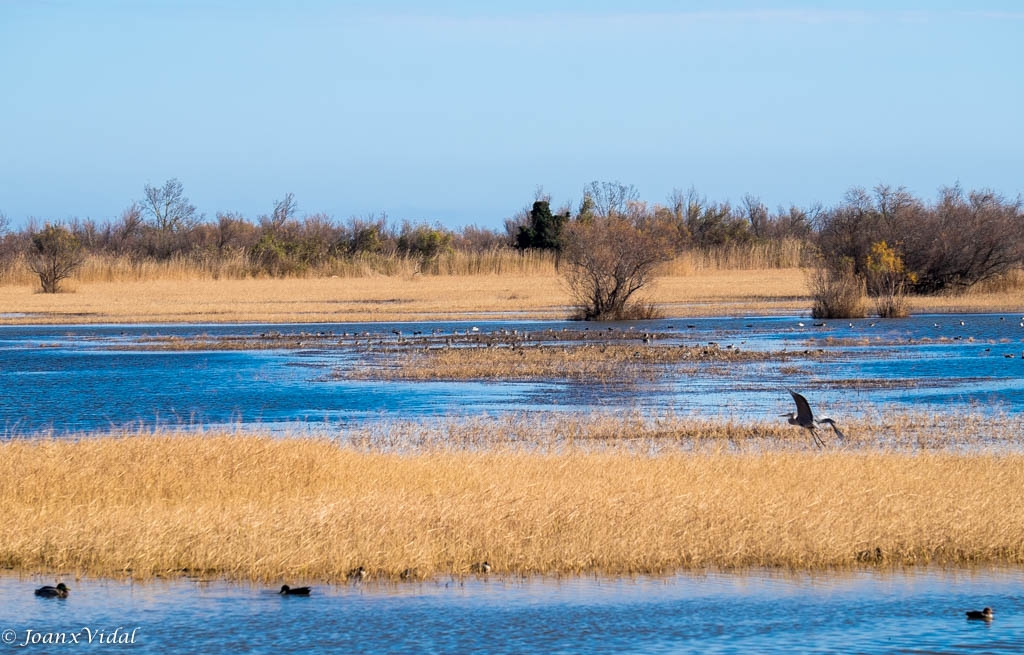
(236, 266)
(767, 255)
(258, 508)
(504, 261)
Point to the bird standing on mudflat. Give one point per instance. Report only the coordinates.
(805, 419)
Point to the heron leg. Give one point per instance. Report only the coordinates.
(817, 438)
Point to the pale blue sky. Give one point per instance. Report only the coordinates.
(457, 111)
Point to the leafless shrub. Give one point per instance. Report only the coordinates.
(473, 239)
(607, 260)
(54, 255)
(966, 239)
(837, 292)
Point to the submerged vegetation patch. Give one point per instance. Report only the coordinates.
(580, 362)
(579, 355)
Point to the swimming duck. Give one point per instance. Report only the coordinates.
(60, 591)
(297, 591)
(983, 615)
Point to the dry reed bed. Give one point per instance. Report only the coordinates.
(498, 261)
(236, 266)
(647, 433)
(257, 508)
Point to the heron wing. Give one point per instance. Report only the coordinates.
(835, 428)
(803, 409)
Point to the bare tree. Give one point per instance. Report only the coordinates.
(757, 216)
(607, 260)
(795, 222)
(474, 239)
(173, 217)
(170, 209)
(285, 210)
(55, 254)
(125, 233)
(233, 233)
(966, 240)
(10, 249)
(609, 198)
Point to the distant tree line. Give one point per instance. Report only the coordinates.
(888, 243)
(608, 245)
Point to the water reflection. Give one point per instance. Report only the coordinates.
(714, 613)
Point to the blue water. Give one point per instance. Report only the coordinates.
(874, 612)
(67, 379)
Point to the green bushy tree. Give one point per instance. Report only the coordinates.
(544, 230)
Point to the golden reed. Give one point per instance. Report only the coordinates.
(611, 496)
(498, 261)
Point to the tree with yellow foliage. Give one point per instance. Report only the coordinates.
(887, 280)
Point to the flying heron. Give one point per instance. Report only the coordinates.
(805, 418)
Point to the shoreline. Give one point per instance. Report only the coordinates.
(385, 585)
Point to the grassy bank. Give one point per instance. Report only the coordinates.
(411, 298)
(702, 292)
(575, 496)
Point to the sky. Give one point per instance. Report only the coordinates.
(456, 112)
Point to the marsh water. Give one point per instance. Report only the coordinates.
(756, 612)
(70, 379)
(63, 379)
